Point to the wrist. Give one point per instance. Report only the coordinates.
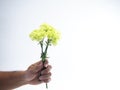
(28, 76)
(24, 77)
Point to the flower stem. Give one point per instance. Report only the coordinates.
(41, 44)
(48, 41)
(44, 53)
(46, 85)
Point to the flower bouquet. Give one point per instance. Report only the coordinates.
(46, 36)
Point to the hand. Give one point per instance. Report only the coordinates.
(35, 75)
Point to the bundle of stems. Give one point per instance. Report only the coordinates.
(44, 53)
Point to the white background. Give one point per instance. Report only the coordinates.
(88, 54)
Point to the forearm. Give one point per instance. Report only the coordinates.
(11, 80)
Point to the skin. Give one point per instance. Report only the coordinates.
(34, 75)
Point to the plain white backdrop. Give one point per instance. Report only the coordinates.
(88, 54)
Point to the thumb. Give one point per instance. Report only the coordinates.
(38, 66)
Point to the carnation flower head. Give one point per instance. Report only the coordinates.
(45, 31)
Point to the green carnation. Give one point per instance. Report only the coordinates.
(45, 31)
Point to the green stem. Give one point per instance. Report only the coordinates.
(46, 85)
(48, 41)
(44, 54)
(41, 44)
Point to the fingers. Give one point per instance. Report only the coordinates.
(46, 74)
(45, 63)
(45, 78)
(36, 74)
(38, 67)
(47, 70)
